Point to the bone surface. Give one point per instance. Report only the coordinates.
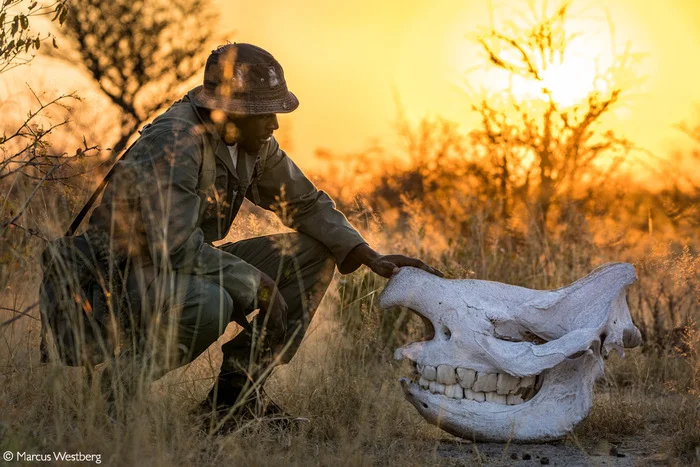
(507, 362)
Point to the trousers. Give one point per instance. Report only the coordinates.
(196, 311)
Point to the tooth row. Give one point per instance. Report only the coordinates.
(463, 383)
(455, 391)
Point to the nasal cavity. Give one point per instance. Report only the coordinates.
(446, 332)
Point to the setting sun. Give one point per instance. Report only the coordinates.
(566, 61)
(569, 83)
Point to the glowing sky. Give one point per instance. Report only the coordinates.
(348, 61)
(352, 63)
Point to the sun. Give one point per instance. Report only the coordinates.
(584, 69)
(569, 83)
(580, 62)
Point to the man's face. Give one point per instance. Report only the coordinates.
(249, 132)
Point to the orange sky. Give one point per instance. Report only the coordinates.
(348, 61)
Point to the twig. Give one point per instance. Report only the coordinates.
(19, 314)
(26, 203)
(32, 232)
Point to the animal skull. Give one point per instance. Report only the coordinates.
(510, 363)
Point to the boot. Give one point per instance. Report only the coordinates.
(225, 393)
(227, 396)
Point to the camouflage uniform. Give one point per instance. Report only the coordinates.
(158, 216)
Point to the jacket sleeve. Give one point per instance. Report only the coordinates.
(283, 188)
(168, 166)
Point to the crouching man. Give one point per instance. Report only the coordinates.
(178, 189)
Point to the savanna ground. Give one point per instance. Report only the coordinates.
(345, 381)
(536, 196)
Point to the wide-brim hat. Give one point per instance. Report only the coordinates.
(243, 79)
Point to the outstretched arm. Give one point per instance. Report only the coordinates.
(314, 213)
(284, 189)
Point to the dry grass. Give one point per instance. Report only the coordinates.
(343, 380)
(651, 396)
(358, 414)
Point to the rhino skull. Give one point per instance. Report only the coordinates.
(510, 363)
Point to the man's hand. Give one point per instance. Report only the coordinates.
(273, 308)
(388, 265)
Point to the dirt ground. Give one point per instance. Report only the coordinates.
(631, 451)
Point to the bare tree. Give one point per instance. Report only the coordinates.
(141, 53)
(28, 160)
(679, 200)
(541, 149)
(25, 148)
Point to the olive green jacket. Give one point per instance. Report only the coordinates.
(155, 208)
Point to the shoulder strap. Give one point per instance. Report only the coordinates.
(83, 212)
(207, 172)
(207, 178)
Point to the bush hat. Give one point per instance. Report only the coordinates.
(243, 79)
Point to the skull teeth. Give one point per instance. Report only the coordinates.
(429, 373)
(466, 377)
(446, 375)
(465, 383)
(506, 383)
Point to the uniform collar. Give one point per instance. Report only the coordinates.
(220, 148)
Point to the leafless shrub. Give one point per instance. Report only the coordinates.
(141, 54)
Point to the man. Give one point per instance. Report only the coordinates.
(178, 189)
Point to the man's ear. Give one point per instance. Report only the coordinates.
(217, 116)
(230, 132)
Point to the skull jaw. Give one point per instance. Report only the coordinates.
(564, 400)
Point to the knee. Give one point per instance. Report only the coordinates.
(312, 247)
(210, 309)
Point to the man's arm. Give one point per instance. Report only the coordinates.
(308, 210)
(284, 189)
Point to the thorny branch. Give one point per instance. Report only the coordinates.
(27, 152)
